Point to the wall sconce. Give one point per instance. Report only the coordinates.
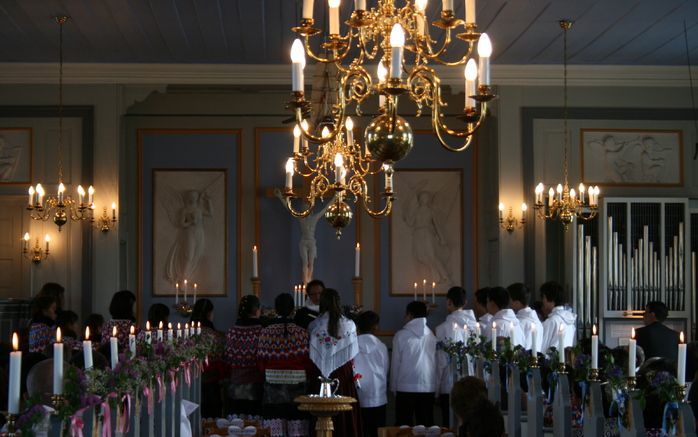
(35, 254)
(509, 223)
(105, 223)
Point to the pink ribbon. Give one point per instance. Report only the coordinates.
(76, 423)
(187, 375)
(122, 423)
(106, 419)
(149, 399)
(206, 361)
(161, 388)
(173, 380)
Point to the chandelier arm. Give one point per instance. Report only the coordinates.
(363, 46)
(338, 57)
(299, 213)
(428, 53)
(336, 127)
(387, 208)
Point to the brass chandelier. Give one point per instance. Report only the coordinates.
(62, 207)
(338, 163)
(564, 203)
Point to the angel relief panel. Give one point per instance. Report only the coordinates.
(426, 233)
(189, 231)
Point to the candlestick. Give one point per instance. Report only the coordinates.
(132, 341)
(87, 349)
(13, 391)
(681, 371)
(255, 262)
(297, 64)
(632, 352)
(594, 348)
(58, 364)
(357, 261)
(494, 337)
(484, 50)
(114, 348)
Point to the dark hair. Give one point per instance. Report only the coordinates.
(500, 297)
(417, 309)
(457, 296)
(465, 394)
(65, 318)
(366, 321)
(95, 323)
(485, 420)
(201, 311)
(248, 305)
(659, 310)
(518, 292)
(121, 306)
(158, 312)
(481, 295)
(332, 304)
(283, 304)
(41, 303)
(553, 291)
(55, 290)
(313, 283)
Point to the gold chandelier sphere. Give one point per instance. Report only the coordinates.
(389, 139)
(339, 215)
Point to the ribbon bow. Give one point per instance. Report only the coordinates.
(76, 423)
(148, 398)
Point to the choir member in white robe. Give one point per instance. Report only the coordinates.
(507, 323)
(528, 318)
(557, 315)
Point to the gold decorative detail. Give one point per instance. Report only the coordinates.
(36, 254)
(510, 223)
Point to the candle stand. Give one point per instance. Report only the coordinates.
(593, 375)
(11, 423)
(632, 383)
(357, 283)
(57, 401)
(256, 286)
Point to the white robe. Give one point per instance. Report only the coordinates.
(529, 318)
(508, 326)
(445, 332)
(558, 317)
(413, 363)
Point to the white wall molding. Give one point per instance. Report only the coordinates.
(237, 74)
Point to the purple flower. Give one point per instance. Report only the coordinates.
(660, 378)
(582, 360)
(614, 372)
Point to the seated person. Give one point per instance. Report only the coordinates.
(485, 420)
(465, 395)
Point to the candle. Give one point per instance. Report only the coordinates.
(113, 211)
(360, 5)
(198, 328)
(494, 337)
(454, 333)
(420, 6)
(61, 191)
(58, 364)
(511, 334)
(334, 16)
(196, 286)
(397, 42)
(177, 292)
(632, 352)
(470, 78)
(433, 293)
(561, 344)
(255, 262)
(114, 348)
(132, 341)
(148, 337)
(185, 288)
(447, 5)
(424, 290)
(470, 11)
(681, 371)
(31, 196)
(594, 348)
(415, 291)
(87, 349)
(551, 196)
(48, 240)
(186, 330)
(382, 74)
(169, 332)
(296, 139)
(349, 125)
(13, 391)
(308, 9)
(534, 341)
(179, 330)
(357, 260)
(478, 330)
(26, 238)
(297, 65)
(484, 51)
(192, 330)
(159, 333)
(289, 174)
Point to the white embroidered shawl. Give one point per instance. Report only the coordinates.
(329, 353)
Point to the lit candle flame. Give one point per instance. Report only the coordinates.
(199, 325)
(186, 326)
(58, 335)
(15, 341)
(160, 325)
(113, 331)
(494, 325)
(87, 333)
(147, 325)
(132, 330)
(632, 333)
(593, 329)
(169, 325)
(681, 338)
(179, 325)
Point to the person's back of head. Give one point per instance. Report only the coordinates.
(518, 292)
(331, 303)
(485, 420)
(67, 320)
(283, 305)
(480, 306)
(95, 322)
(55, 290)
(457, 297)
(42, 305)
(202, 310)
(553, 292)
(158, 312)
(40, 380)
(249, 307)
(121, 306)
(499, 297)
(658, 309)
(367, 322)
(416, 309)
(465, 394)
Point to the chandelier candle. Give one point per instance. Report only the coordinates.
(61, 192)
(681, 371)
(308, 9)
(424, 290)
(48, 240)
(360, 5)
(87, 349)
(447, 5)
(470, 78)
(296, 141)
(357, 261)
(255, 262)
(349, 125)
(421, 6)
(484, 51)
(493, 337)
(334, 16)
(382, 74)
(338, 166)
(470, 11)
(177, 292)
(58, 364)
(31, 196)
(297, 64)
(594, 348)
(397, 42)
(114, 348)
(289, 179)
(90, 195)
(132, 341)
(415, 291)
(196, 286)
(13, 391)
(632, 352)
(185, 290)
(433, 295)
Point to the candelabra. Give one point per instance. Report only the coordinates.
(35, 254)
(182, 306)
(565, 203)
(106, 223)
(510, 223)
(381, 35)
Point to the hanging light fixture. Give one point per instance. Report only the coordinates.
(61, 207)
(564, 203)
(376, 40)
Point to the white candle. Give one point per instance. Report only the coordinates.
(297, 65)
(159, 333)
(58, 364)
(397, 42)
(198, 328)
(334, 16)
(433, 292)
(87, 349)
(40, 194)
(338, 166)
(196, 286)
(13, 391)
(185, 289)
(349, 125)
(179, 330)
(632, 352)
(360, 5)
(470, 73)
(494, 336)
(296, 139)
(470, 11)
(61, 191)
(561, 344)
(447, 5)
(132, 341)
(420, 6)
(289, 175)
(484, 51)
(169, 332)
(357, 261)
(594, 348)
(551, 196)
(308, 9)
(186, 330)
(424, 290)
(454, 333)
(192, 330)
(91, 195)
(681, 371)
(31, 196)
(255, 262)
(148, 334)
(534, 341)
(511, 334)
(415, 291)
(478, 330)
(114, 348)
(47, 239)
(177, 292)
